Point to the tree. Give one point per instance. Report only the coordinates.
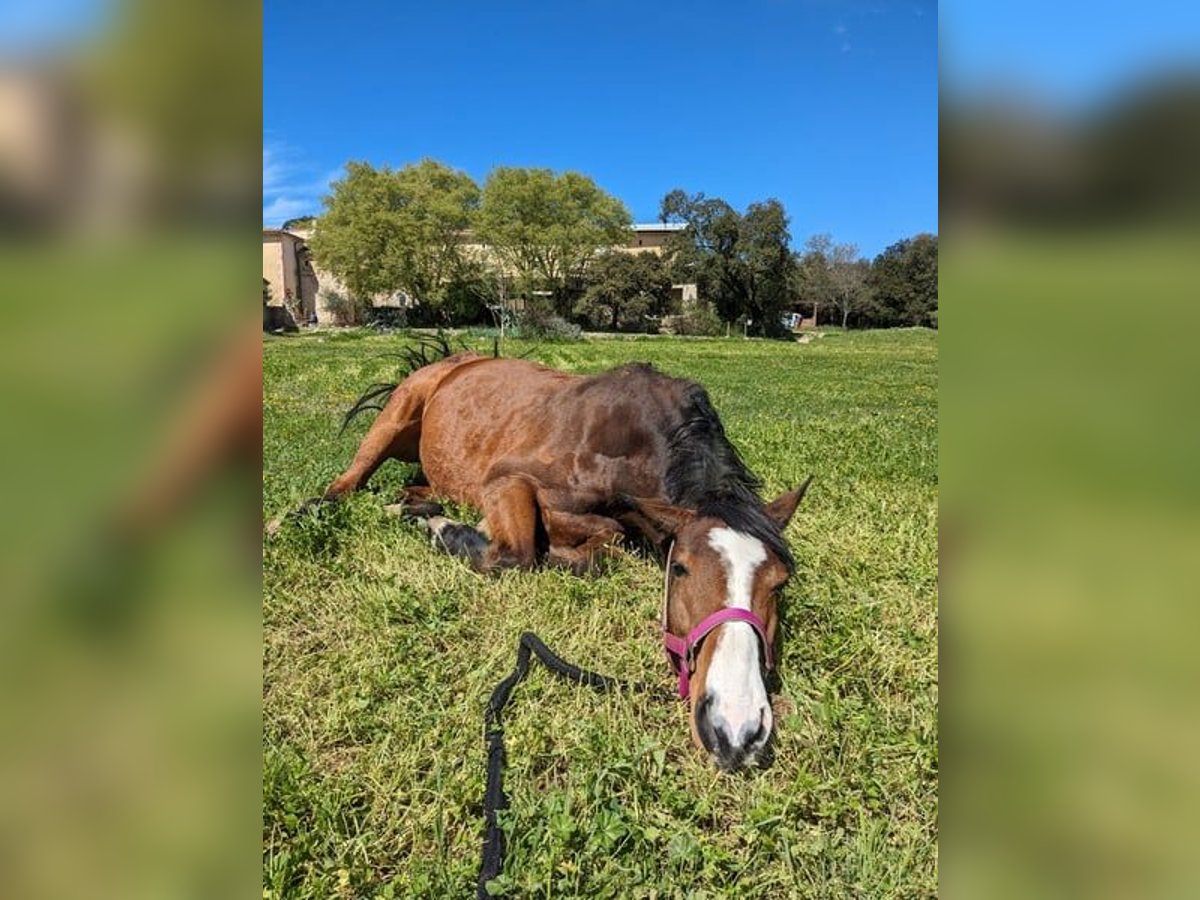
(811, 276)
(703, 252)
(766, 264)
(301, 223)
(547, 228)
(742, 262)
(624, 289)
(836, 273)
(385, 231)
(903, 282)
(848, 273)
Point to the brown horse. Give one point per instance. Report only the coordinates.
(565, 466)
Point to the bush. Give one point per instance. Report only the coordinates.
(346, 310)
(542, 326)
(388, 317)
(465, 303)
(605, 313)
(426, 315)
(626, 292)
(700, 320)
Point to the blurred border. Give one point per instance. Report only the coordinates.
(130, 191)
(1070, 201)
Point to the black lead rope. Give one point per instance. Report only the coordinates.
(494, 797)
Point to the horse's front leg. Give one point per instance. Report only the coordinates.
(510, 507)
(416, 501)
(580, 541)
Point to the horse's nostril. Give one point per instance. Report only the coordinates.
(704, 725)
(753, 735)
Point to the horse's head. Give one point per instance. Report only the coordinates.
(720, 616)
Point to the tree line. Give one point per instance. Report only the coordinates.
(541, 241)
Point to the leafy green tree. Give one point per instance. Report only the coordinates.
(766, 264)
(548, 228)
(904, 283)
(626, 292)
(741, 262)
(386, 230)
(703, 252)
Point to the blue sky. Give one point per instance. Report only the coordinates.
(829, 106)
(1065, 54)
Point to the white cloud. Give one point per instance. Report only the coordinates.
(290, 186)
(281, 209)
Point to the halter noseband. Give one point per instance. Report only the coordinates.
(681, 651)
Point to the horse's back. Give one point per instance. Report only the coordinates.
(502, 416)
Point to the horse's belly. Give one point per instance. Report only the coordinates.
(450, 470)
(474, 427)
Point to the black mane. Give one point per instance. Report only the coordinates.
(706, 473)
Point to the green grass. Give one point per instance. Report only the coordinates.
(379, 656)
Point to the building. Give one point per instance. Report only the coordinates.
(298, 287)
(653, 238)
(290, 278)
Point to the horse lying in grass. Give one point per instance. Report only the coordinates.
(563, 467)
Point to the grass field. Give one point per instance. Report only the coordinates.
(379, 656)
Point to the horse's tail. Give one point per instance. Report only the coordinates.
(373, 398)
(427, 350)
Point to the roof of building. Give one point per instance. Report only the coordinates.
(279, 232)
(642, 228)
(660, 226)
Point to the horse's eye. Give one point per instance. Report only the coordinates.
(678, 569)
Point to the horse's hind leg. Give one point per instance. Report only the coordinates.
(395, 434)
(510, 506)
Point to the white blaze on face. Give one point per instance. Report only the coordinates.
(739, 695)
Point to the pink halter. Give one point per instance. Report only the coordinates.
(680, 651)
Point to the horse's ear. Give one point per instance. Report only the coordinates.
(657, 519)
(781, 509)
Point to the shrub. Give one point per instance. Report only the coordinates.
(388, 317)
(464, 301)
(346, 310)
(626, 292)
(701, 320)
(543, 326)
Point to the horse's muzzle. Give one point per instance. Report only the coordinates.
(731, 748)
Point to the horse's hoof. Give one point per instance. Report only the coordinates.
(457, 539)
(433, 524)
